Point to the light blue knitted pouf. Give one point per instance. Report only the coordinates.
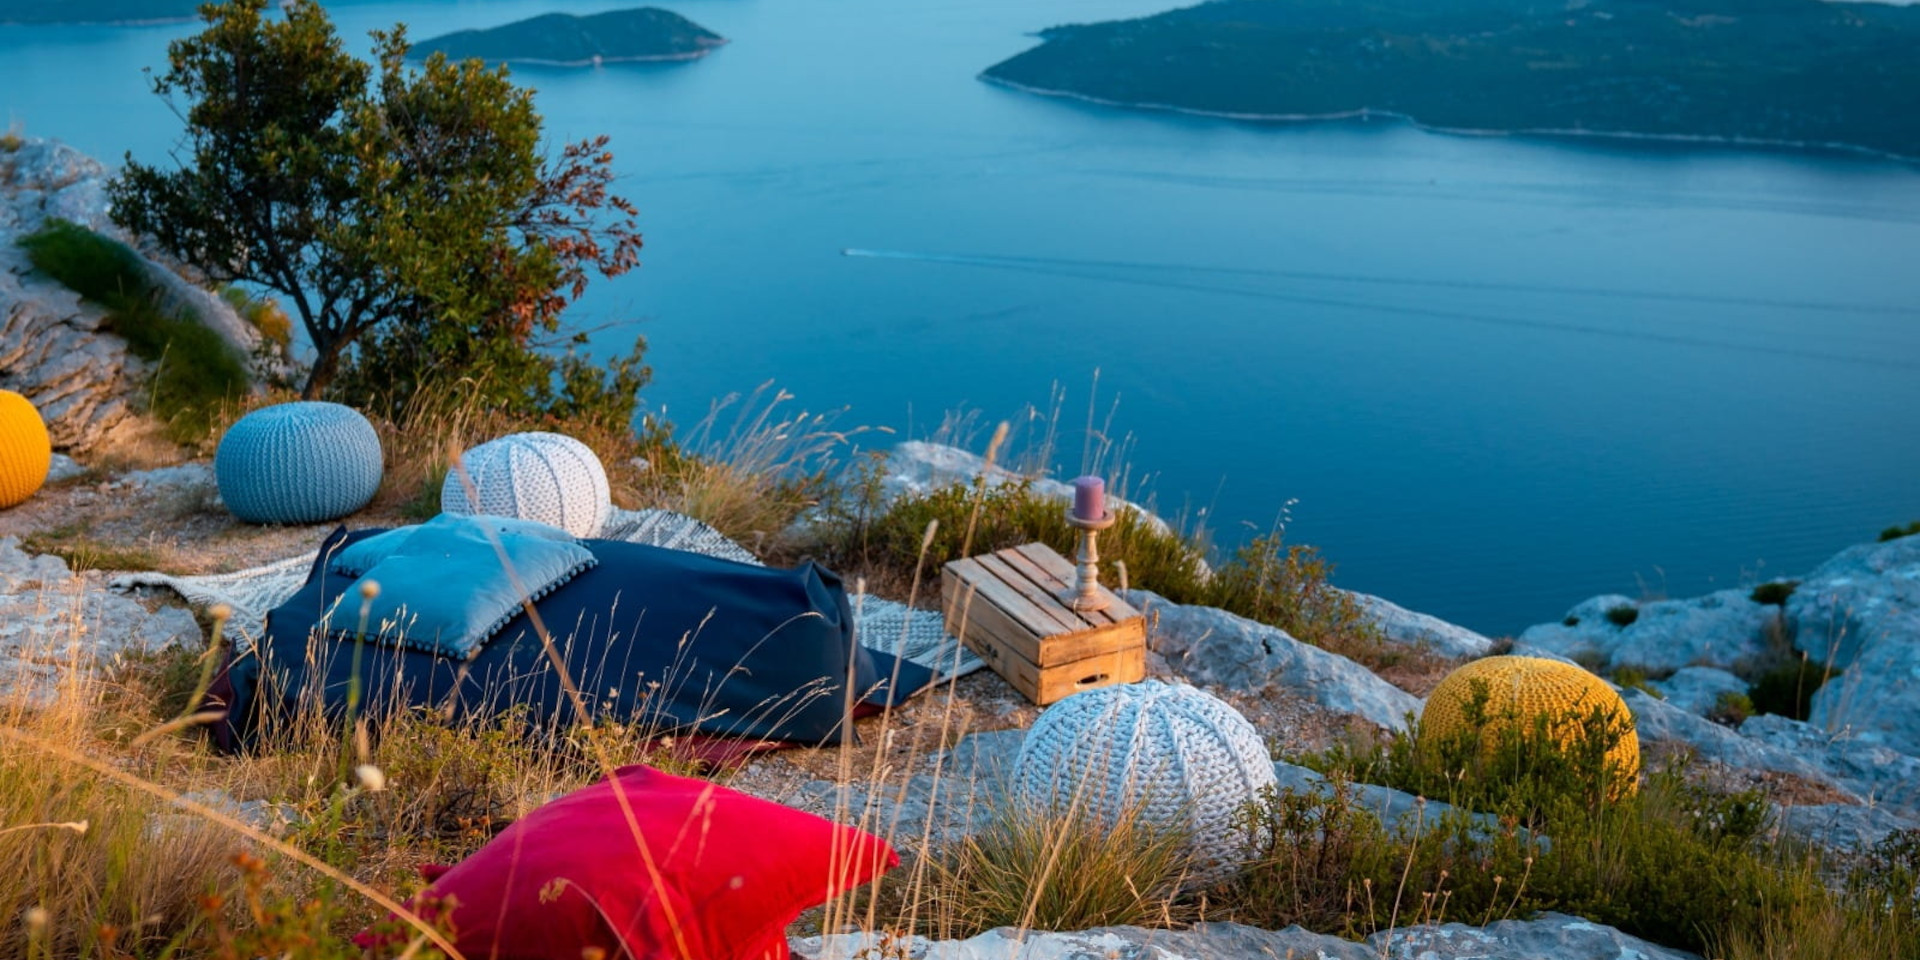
(547, 477)
(298, 463)
(1169, 754)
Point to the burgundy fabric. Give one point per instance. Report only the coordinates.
(721, 876)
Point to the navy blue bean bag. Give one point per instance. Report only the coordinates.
(681, 642)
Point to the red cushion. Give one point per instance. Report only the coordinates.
(730, 872)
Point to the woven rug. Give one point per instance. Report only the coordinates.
(884, 625)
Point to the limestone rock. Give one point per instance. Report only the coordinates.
(1549, 935)
(1211, 646)
(1697, 689)
(1867, 769)
(1655, 720)
(1406, 628)
(54, 349)
(1842, 826)
(53, 622)
(1395, 809)
(1860, 611)
(1720, 629)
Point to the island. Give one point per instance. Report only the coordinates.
(1795, 73)
(97, 11)
(561, 39)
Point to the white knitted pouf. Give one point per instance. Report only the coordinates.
(1172, 755)
(548, 477)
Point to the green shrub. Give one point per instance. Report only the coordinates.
(1674, 863)
(1623, 615)
(1896, 532)
(195, 372)
(1788, 687)
(1774, 593)
(1637, 678)
(1570, 621)
(1731, 708)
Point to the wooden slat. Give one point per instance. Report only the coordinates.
(1059, 567)
(990, 586)
(1009, 573)
(1051, 584)
(1046, 685)
(983, 614)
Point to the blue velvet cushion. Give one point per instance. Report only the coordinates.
(298, 463)
(443, 588)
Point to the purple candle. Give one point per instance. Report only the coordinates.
(1089, 498)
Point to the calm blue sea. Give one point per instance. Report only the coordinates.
(1492, 376)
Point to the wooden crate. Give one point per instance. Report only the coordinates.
(1006, 607)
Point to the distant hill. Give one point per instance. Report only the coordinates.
(96, 11)
(1795, 72)
(646, 33)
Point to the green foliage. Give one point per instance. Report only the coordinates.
(1623, 615)
(1053, 871)
(1731, 708)
(1674, 863)
(1787, 688)
(196, 373)
(1269, 580)
(1774, 593)
(1896, 531)
(1636, 678)
(406, 216)
(258, 919)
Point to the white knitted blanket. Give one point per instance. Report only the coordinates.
(883, 625)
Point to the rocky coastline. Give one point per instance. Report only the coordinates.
(1844, 778)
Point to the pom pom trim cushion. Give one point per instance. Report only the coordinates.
(719, 877)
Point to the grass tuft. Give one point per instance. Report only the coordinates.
(196, 373)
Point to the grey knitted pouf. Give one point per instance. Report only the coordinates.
(298, 463)
(548, 477)
(1176, 756)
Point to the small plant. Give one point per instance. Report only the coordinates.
(1623, 615)
(1731, 708)
(1637, 678)
(1046, 870)
(1896, 531)
(11, 141)
(1570, 621)
(1774, 593)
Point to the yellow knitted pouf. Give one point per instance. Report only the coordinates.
(1521, 689)
(25, 450)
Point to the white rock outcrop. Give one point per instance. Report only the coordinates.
(55, 348)
(55, 625)
(1211, 646)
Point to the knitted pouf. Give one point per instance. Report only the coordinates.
(1519, 691)
(548, 477)
(25, 451)
(1170, 755)
(298, 463)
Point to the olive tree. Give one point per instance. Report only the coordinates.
(407, 214)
